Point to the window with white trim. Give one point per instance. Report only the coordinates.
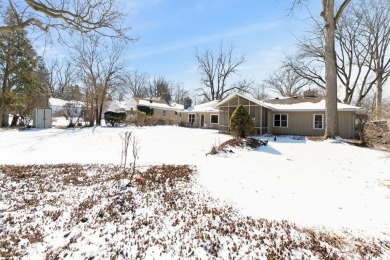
(318, 121)
(214, 119)
(191, 118)
(280, 120)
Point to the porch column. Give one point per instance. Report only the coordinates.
(261, 120)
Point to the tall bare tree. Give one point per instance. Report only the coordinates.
(100, 69)
(308, 69)
(259, 92)
(86, 16)
(285, 82)
(357, 62)
(159, 86)
(179, 92)
(136, 84)
(375, 15)
(62, 78)
(330, 17)
(216, 70)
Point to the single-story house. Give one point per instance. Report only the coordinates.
(205, 115)
(68, 108)
(304, 115)
(159, 107)
(114, 106)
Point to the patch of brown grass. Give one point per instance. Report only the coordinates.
(162, 199)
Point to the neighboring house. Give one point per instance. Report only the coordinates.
(114, 106)
(66, 108)
(201, 116)
(288, 116)
(160, 108)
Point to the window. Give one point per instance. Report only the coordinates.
(214, 119)
(191, 118)
(175, 113)
(280, 120)
(318, 121)
(164, 113)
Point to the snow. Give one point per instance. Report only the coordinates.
(303, 106)
(116, 106)
(322, 185)
(327, 184)
(205, 107)
(172, 106)
(310, 106)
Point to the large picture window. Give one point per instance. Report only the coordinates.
(214, 119)
(191, 118)
(280, 120)
(318, 121)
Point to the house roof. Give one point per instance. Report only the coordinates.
(116, 105)
(61, 102)
(233, 95)
(160, 103)
(292, 104)
(306, 104)
(205, 107)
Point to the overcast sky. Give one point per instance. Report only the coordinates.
(169, 32)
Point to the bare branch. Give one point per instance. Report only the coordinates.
(85, 16)
(216, 70)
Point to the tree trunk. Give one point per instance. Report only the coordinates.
(378, 96)
(1, 115)
(331, 124)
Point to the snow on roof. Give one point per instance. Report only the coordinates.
(205, 107)
(116, 105)
(316, 105)
(161, 105)
(310, 106)
(57, 102)
(61, 102)
(261, 103)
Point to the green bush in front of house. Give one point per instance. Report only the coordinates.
(115, 118)
(241, 123)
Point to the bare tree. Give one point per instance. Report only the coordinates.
(244, 86)
(351, 58)
(330, 17)
(159, 86)
(136, 147)
(216, 69)
(136, 84)
(62, 78)
(85, 16)
(355, 36)
(73, 111)
(100, 68)
(285, 82)
(180, 93)
(309, 69)
(126, 140)
(260, 92)
(375, 15)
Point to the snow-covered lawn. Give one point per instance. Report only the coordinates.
(325, 185)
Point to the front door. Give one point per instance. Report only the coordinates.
(201, 120)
